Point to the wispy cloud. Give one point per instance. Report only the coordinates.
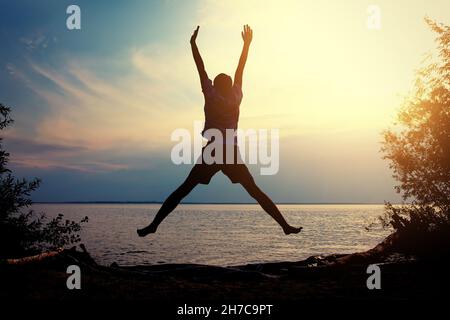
(131, 111)
(36, 40)
(103, 112)
(86, 167)
(21, 145)
(41, 155)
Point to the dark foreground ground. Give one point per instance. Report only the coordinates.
(341, 277)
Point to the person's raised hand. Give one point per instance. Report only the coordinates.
(247, 34)
(194, 35)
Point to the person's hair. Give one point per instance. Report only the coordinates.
(223, 83)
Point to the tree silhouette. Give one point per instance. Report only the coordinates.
(418, 148)
(22, 230)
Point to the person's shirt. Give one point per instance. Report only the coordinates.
(221, 112)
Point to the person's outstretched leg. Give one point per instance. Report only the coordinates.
(169, 205)
(268, 206)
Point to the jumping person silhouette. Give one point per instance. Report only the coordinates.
(222, 100)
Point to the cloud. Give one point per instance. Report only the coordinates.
(27, 146)
(138, 106)
(129, 113)
(10, 68)
(41, 155)
(35, 41)
(85, 167)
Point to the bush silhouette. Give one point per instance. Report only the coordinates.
(418, 148)
(22, 230)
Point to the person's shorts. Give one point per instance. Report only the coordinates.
(236, 171)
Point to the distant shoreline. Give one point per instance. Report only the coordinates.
(209, 203)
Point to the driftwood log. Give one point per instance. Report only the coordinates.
(70, 255)
(36, 258)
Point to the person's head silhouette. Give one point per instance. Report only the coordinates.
(223, 84)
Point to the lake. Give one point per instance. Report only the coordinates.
(220, 234)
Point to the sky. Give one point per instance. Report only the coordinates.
(94, 108)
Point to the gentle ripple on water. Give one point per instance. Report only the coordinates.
(220, 234)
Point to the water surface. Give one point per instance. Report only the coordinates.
(220, 234)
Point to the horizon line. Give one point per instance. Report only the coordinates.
(191, 202)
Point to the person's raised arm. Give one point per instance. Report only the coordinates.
(198, 58)
(247, 36)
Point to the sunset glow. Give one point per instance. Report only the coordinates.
(105, 99)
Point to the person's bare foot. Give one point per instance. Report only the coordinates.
(291, 229)
(145, 231)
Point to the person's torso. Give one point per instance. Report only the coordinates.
(221, 112)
